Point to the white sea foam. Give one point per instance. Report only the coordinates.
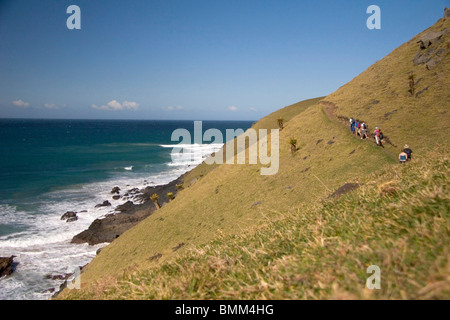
(191, 154)
(43, 247)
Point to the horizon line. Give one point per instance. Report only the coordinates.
(89, 119)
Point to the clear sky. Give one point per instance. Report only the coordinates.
(190, 59)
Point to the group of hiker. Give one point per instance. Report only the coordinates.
(360, 128)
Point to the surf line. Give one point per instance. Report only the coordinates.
(258, 149)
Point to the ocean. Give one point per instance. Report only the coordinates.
(49, 167)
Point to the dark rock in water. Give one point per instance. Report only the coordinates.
(105, 203)
(72, 219)
(129, 214)
(115, 190)
(116, 197)
(58, 276)
(51, 290)
(134, 191)
(6, 266)
(69, 215)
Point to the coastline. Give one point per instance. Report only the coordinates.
(125, 216)
(62, 227)
(137, 207)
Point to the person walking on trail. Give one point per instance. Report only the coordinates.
(364, 131)
(408, 151)
(352, 125)
(378, 136)
(358, 128)
(402, 157)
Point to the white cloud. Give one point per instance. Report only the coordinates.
(20, 103)
(130, 105)
(51, 106)
(253, 109)
(232, 108)
(170, 108)
(54, 106)
(114, 105)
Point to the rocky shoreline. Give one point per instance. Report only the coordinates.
(137, 208)
(105, 230)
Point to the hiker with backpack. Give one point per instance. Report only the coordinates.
(352, 125)
(378, 136)
(364, 131)
(408, 152)
(358, 128)
(402, 157)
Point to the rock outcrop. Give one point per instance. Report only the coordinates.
(69, 216)
(432, 48)
(105, 203)
(127, 215)
(6, 266)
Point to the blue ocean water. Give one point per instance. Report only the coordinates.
(48, 167)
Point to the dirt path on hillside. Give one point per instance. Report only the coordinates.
(330, 110)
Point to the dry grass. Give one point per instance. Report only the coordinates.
(380, 96)
(323, 251)
(261, 244)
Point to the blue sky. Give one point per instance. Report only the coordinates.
(191, 60)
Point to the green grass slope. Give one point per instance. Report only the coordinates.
(380, 95)
(399, 221)
(270, 235)
(231, 198)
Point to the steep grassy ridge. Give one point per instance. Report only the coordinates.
(399, 221)
(380, 95)
(275, 237)
(231, 198)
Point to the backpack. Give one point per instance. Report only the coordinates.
(358, 125)
(381, 135)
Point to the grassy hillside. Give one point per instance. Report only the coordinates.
(278, 236)
(398, 221)
(381, 97)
